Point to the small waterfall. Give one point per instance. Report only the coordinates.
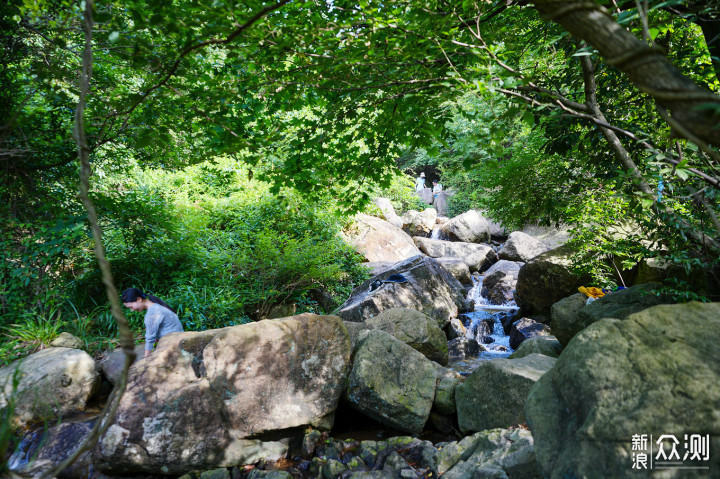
(435, 233)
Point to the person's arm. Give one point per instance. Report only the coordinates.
(152, 323)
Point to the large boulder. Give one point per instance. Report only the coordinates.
(500, 280)
(53, 383)
(650, 374)
(419, 223)
(391, 382)
(430, 289)
(618, 305)
(521, 247)
(415, 329)
(494, 394)
(458, 268)
(478, 257)
(546, 280)
(209, 399)
(388, 211)
(378, 240)
(526, 328)
(468, 227)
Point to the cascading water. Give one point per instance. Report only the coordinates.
(484, 326)
(435, 233)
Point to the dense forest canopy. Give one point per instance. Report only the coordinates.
(224, 135)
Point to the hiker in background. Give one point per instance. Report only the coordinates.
(420, 182)
(160, 319)
(437, 188)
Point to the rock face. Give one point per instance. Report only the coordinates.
(237, 383)
(419, 223)
(648, 374)
(457, 268)
(546, 280)
(388, 211)
(468, 227)
(477, 257)
(415, 329)
(391, 382)
(521, 247)
(378, 240)
(546, 345)
(494, 394)
(500, 280)
(54, 383)
(430, 289)
(526, 328)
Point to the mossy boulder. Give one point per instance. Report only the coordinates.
(391, 382)
(651, 373)
(494, 394)
(415, 329)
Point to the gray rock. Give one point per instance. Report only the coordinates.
(521, 247)
(496, 453)
(564, 316)
(202, 399)
(391, 382)
(112, 365)
(464, 348)
(457, 267)
(546, 345)
(620, 304)
(430, 289)
(500, 280)
(426, 195)
(468, 227)
(378, 240)
(526, 328)
(546, 280)
(51, 446)
(419, 223)
(494, 394)
(378, 267)
(54, 383)
(444, 402)
(67, 340)
(415, 329)
(648, 374)
(354, 330)
(478, 257)
(455, 329)
(440, 203)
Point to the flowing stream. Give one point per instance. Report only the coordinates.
(484, 325)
